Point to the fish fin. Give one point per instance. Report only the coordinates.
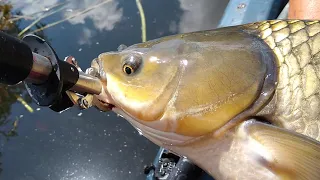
(287, 154)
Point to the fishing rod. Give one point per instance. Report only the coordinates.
(58, 84)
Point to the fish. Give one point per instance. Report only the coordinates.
(241, 102)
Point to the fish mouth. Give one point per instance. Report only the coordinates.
(104, 101)
(107, 106)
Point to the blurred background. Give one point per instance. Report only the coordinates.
(39, 144)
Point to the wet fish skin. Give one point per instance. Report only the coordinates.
(266, 70)
(296, 104)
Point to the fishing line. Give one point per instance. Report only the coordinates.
(143, 21)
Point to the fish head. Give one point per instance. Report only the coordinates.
(175, 89)
(139, 81)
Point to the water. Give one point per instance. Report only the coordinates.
(90, 144)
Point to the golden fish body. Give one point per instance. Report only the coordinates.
(296, 104)
(208, 96)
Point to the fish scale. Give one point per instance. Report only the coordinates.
(217, 86)
(296, 44)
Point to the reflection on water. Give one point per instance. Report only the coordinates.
(104, 17)
(200, 15)
(86, 144)
(85, 36)
(30, 7)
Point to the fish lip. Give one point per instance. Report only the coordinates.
(106, 105)
(104, 101)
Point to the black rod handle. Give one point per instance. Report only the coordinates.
(16, 59)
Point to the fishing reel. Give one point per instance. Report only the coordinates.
(57, 84)
(169, 166)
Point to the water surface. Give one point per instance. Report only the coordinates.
(89, 144)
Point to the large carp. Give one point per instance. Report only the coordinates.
(241, 102)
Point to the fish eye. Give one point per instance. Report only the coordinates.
(128, 69)
(131, 64)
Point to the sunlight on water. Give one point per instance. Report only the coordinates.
(104, 17)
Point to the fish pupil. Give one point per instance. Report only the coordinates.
(128, 70)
